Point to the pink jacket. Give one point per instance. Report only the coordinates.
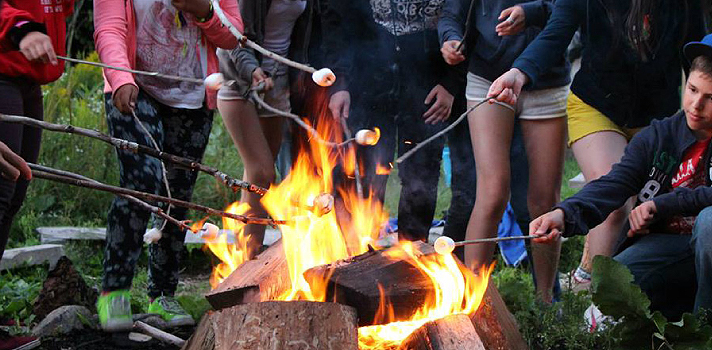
(115, 38)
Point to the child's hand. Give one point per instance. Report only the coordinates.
(513, 20)
(38, 47)
(450, 53)
(198, 8)
(125, 98)
(641, 217)
(259, 76)
(12, 166)
(549, 226)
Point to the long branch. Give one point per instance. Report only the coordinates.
(96, 185)
(227, 180)
(133, 71)
(152, 208)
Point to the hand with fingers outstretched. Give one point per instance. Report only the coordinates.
(12, 165)
(513, 21)
(549, 226)
(508, 86)
(641, 217)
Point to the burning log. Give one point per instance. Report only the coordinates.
(454, 332)
(259, 279)
(361, 282)
(278, 325)
(496, 326)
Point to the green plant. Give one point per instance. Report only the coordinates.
(616, 296)
(18, 290)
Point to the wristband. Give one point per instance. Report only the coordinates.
(19, 30)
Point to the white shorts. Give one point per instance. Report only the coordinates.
(535, 104)
(277, 97)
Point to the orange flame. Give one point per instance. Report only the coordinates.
(315, 238)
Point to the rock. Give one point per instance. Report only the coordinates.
(64, 320)
(63, 286)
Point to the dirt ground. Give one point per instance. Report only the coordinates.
(99, 340)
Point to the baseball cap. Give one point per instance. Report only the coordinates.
(697, 48)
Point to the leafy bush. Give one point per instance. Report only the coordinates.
(18, 290)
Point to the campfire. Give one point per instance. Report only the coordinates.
(393, 293)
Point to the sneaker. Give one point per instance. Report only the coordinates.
(114, 310)
(169, 309)
(576, 281)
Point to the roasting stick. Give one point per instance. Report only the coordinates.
(442, 132)
(445, 245)
(153, 209)
(133, 71)
(96, 185)
(232, 183)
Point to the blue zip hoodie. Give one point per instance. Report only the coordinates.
(650, 161)
(613, 79)
(491, 55)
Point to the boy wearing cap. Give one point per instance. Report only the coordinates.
(668, 166)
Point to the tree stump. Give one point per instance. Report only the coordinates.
(288, 325)
(454, 332)
(259, 279)
(496, 326)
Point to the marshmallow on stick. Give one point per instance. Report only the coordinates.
(214, 81)
(324, 77)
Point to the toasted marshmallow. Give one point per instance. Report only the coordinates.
(214, 81)
(444, 245)
(209, 231)
(323, 204)
(153, 235)
(324, 77)
(367, 137)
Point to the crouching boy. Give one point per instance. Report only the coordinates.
(667, 165)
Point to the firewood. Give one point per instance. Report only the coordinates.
(454, 332)
(158, 334)
(355, 282)
(260, 279)
(302, 325)
(496, 326)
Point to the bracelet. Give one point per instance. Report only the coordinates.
(208, 17)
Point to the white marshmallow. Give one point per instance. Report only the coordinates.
(324, 77)
(153, 235)
(209, 231)
(444, 245)
(323, 204)
(214, 81)
(367, 137)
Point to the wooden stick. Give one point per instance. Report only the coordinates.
(314, 134)
(494, 239)
(158, 334)
(96, 185)
(153, 209)
(133, 71)
(232, 183)
(442, 132)
(244, 41)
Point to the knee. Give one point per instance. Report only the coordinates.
(702, 231)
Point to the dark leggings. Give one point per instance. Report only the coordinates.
(18, 96)
(183, 132)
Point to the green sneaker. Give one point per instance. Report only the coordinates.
(114, 311)
(169, 309)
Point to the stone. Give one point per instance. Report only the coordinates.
(33, 255)
(64, 320)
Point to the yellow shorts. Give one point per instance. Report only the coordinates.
(584, 120)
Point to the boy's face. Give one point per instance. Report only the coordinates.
(697, 103)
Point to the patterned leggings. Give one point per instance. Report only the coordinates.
(183, 132)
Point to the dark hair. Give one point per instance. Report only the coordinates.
(702, 64)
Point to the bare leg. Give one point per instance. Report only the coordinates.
(491, 128)
(544, 142)
(596, 153)
(257, 140)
